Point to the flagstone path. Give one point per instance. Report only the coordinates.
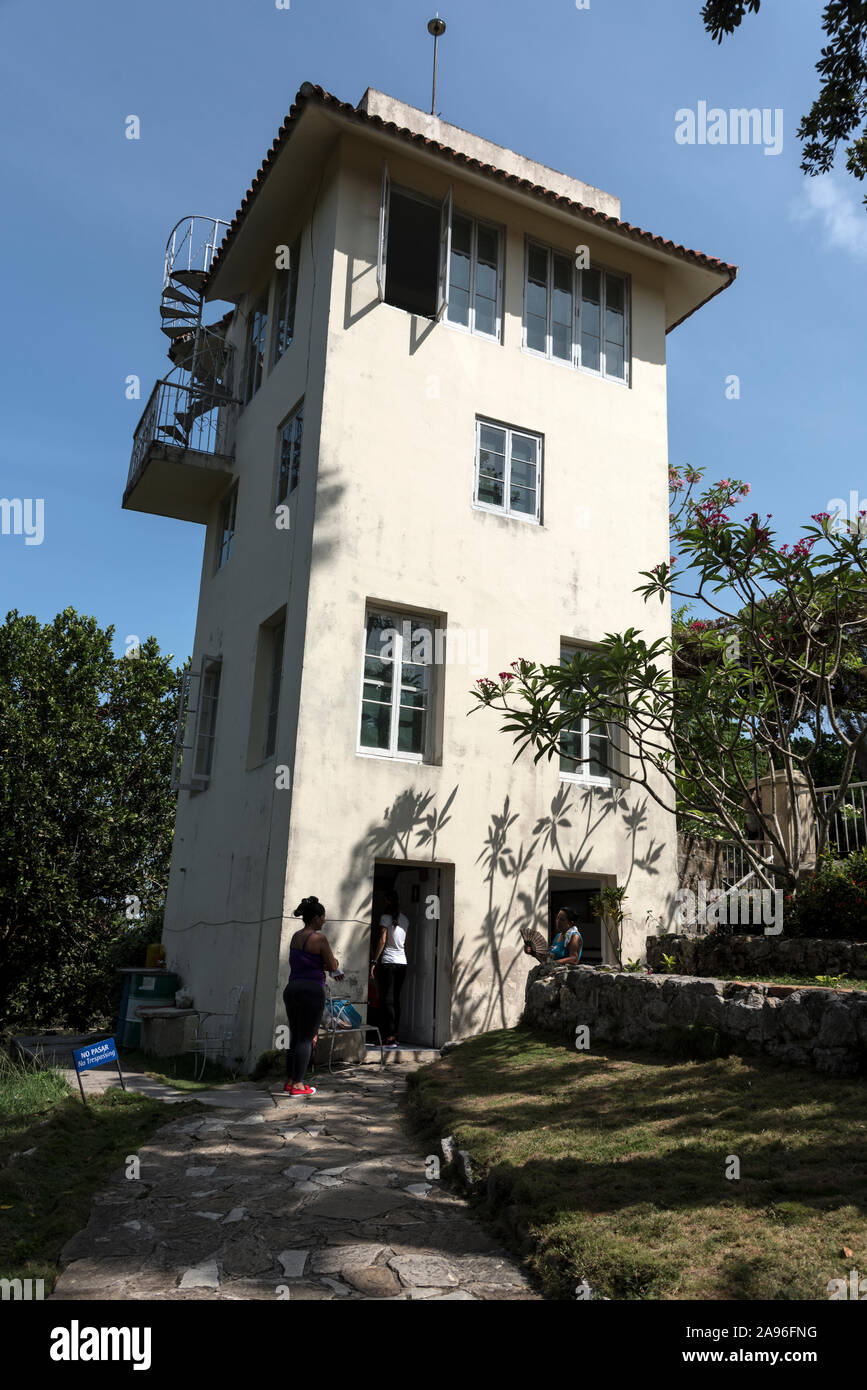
(324, 1198)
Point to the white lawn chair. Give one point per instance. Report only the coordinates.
(212, 1039)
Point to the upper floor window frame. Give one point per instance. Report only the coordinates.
(581, 336)
(255, 346)
(510, 431)
(579, 773)
(226, 527)
(477, 225)
(290, 442)
(409, 639)
(285, 305)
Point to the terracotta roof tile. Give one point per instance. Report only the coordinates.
(311, 94)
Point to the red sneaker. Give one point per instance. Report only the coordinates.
(302, 1090)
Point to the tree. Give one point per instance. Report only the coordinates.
(840, 108)
(783, 641)
(86, 812)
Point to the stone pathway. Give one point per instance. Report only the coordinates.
(303, 1199)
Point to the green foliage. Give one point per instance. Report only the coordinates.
(669, 962)
(86, 814)
(832, 902)
(608, 904)
(634, 966)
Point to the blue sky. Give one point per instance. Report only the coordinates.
(593, 92)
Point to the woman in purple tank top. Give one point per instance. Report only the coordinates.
(304, 996)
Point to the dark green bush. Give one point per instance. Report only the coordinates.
(832, 902)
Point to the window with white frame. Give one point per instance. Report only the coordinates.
(586, 749)
(257, 337)
(285, 299)
(412, 269)
(289, 457)
(397, 686)
(206, 722)
(580, 317)
(226, 531)
(475, 276)
(508, 470)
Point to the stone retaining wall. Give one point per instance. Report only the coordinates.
(824, 1028)
(758, 955)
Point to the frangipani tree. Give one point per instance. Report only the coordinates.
(764, 672)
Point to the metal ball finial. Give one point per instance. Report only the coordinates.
(436, 27)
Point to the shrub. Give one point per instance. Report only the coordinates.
(833, 900)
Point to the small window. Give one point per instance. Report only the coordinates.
(289, 463)
(254, 361)
(475, 276)
(277, 636)
(226, 533)
(206, 723)
(576, 316)
(414, 250)
(396, 696)
(285, 299)
(508, 470)
(586, 750)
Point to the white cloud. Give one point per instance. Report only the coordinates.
(838, 207)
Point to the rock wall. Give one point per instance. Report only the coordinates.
(823, 1028)
(758, 955)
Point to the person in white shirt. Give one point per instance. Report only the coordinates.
(389, 964)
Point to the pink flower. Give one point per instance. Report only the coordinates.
(745, 490)
(506, 676)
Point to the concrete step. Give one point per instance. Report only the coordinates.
(392, 1055)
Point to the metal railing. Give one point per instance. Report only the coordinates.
(183, 416)
(736, 865)
(847, 829)
(192, 244)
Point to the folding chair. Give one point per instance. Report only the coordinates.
(213, 1039)
(337, 1020)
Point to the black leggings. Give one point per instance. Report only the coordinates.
(305, 1002)
(390, 980)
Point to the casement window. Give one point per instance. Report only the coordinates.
(226, 531)
(580, 317)
(285, 299)
(257, 336)
(277, 636)
(475, 276)
(289, 454)
(206, 722)
(586, 750)
(508, 471)
(397, 687)
(412, 270)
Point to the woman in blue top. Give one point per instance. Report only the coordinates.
(568, 944)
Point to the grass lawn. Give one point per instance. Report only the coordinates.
(45, 1196)
(612, 1167)
(173, 1071)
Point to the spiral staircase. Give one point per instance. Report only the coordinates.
(183, 447)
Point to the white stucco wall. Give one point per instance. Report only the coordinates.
(384, 513)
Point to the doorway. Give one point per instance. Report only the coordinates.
(577, 893)
(426, 895)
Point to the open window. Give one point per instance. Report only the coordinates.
(414, 255)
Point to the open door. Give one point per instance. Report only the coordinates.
(445, 261)
(382, 254)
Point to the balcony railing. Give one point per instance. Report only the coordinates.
(183, 416)
(847, 830)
